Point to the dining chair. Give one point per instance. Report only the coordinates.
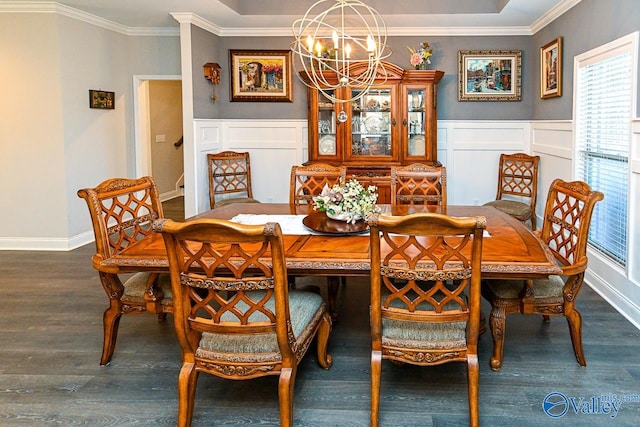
(307, 182)
(229, 178)
(234, 315)
(122, 211)
(565, 230)
(419, 184)
(517, 186)
(425, 295)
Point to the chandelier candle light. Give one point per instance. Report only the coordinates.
(330, 40)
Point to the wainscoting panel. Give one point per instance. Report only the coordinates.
(273, 146)
(473, 153)
(209, 139)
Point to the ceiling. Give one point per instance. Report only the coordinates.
(274, 17)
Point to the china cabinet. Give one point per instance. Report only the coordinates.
(394, 123)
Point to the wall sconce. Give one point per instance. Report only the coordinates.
(212, 73)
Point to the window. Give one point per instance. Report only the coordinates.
(604, 85)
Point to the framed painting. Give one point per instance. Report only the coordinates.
(261, 76)
(551, 69)
(101, 99)
(489, 75)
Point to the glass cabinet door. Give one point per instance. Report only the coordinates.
(371, 124)
(327, 145)
(415, 125)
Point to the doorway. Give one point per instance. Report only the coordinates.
(158, 132)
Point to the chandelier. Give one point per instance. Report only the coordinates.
(329, 42)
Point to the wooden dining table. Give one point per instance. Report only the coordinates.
(510, 249)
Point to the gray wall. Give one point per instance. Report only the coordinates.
(445, 58)
(589, 24)
(205, 49)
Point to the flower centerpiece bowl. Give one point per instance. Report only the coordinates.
(348, 202)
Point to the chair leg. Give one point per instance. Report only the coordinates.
(333, 286)
(285, 394)
(324, 359)
(575, 329)
(546, 319)
(376, 372)
(497, 321)
(473, 374)
(186, 393)
(110, 323)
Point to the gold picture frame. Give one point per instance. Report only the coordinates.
(551, 69)
(101, 99)
(261, 75)
(489, 75)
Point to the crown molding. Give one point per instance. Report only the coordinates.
(194, 19)
(198, 21)
(554, 13)
(70, 12)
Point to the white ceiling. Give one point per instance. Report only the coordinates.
(274, 17)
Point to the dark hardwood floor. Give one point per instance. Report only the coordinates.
(51, 337)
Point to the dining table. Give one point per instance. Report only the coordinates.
(510, 249)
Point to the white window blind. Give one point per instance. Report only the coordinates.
(604, 95)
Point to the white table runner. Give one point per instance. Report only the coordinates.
(290, 224)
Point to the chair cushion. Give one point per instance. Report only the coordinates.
(306, 310)
(401, 333)
(518, 210)
(512, 289)
(135, 286)
(224, 202)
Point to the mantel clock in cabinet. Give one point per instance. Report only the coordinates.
(394, 123)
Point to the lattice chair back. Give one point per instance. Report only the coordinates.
(226, 281)
(518, 175)
(419, 184)
(567, 218)
(229, 178)
(308, 181)
(122, 211)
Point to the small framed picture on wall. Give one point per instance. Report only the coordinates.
(101, 99)
(551, 69)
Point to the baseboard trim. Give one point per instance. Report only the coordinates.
(618, 301)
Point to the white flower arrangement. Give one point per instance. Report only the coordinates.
(348, 202)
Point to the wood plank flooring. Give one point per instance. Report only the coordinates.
(51, 338)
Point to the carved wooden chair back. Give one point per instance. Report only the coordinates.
(567, 217)
(425, 295)
(308, 181)
(122, 212)
(234, 314)
(229, 178)
(565, 230)
(419, 184)
(518, 186)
